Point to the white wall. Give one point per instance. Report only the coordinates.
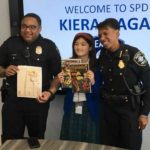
(56, 108)
(4, 31)
(55, 118)
(5, 24)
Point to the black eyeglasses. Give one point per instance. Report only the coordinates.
(30, 27)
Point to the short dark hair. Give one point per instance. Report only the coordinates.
(109, 22)
(34, 16)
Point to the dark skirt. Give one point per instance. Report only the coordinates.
(80, 127)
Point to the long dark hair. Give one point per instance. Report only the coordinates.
(92, 53)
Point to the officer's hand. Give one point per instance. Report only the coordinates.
(143, 121)
(44, 97)
(11, 70)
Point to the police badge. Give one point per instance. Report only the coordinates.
(38, 50)
(121, 64)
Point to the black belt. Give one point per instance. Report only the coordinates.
(115, 99)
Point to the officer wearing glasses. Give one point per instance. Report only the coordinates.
(29, 48)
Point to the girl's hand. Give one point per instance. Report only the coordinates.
(61, 77)
(90, 76)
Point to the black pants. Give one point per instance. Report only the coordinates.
(18, 113)
(119, 126)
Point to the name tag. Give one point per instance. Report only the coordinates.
(78, 108)
(79, 97)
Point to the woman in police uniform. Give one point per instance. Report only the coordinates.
(125, 90)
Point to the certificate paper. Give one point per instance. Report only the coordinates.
(29, 81)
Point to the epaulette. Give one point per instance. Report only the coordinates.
(137, 56)
(48, 40)
(13, 37)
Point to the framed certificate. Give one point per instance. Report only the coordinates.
(29, 81)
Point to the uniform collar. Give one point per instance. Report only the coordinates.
(117, 53)
(38, 39)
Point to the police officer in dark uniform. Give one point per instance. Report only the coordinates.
(125, 92)
(29, 48)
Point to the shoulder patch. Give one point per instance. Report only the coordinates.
(140, 59)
